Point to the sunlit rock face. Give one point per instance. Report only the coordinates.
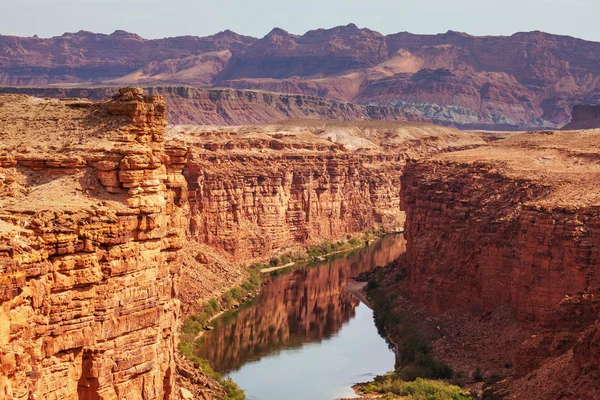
(515, 223)
(89, 236)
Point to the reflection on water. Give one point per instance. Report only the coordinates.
(306, 305)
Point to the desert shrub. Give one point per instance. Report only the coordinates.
(227, 299)
(213, 305)
(233, 390)
(314, 252)
(372, 284)
(285, 259)
(326, 248)
(353, 242)
(275, 261)
(237, 293)
(420, 389)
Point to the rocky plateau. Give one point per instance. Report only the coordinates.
(194, 106)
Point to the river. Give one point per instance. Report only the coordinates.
(304, 337)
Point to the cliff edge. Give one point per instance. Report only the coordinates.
(585, 116)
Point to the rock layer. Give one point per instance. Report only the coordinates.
(585, 116)
(99, 240)
(187, 105)
(259, 189)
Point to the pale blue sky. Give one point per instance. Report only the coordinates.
(162, 18)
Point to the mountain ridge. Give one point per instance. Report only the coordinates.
(527, 80)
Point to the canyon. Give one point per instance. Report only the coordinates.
(523, 81)
(113, 227)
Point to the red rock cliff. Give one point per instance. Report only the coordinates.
(514, 223)
(585, 116)
(528, 246)
(89, 236)
(256, 190)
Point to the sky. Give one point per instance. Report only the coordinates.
(166, 18)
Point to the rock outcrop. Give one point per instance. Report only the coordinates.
(514, 223)
(258, 189)
(526, 80)
(89, 238)
(585, 116)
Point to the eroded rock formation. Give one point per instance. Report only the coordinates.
(88, 249)
(526, 80)
(585, 116)
(187, 105)
(255, 190)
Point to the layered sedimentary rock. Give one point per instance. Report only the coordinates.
(120, 58)
(526, 208)
(257, 189)
(514, 223)
(93, 214)
(526, 80)
(95, 254)
(187, 105)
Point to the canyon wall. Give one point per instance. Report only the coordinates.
(528, 247)
(89, 239)
(188, 105)
(259, 190)
(514, 223)
(262, 203)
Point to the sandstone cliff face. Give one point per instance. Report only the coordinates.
(259, 189)
(89, 239)
(532, 234)
(260, 204)
(514, 223)
(187, 105)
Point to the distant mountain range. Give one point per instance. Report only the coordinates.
(527, 80)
